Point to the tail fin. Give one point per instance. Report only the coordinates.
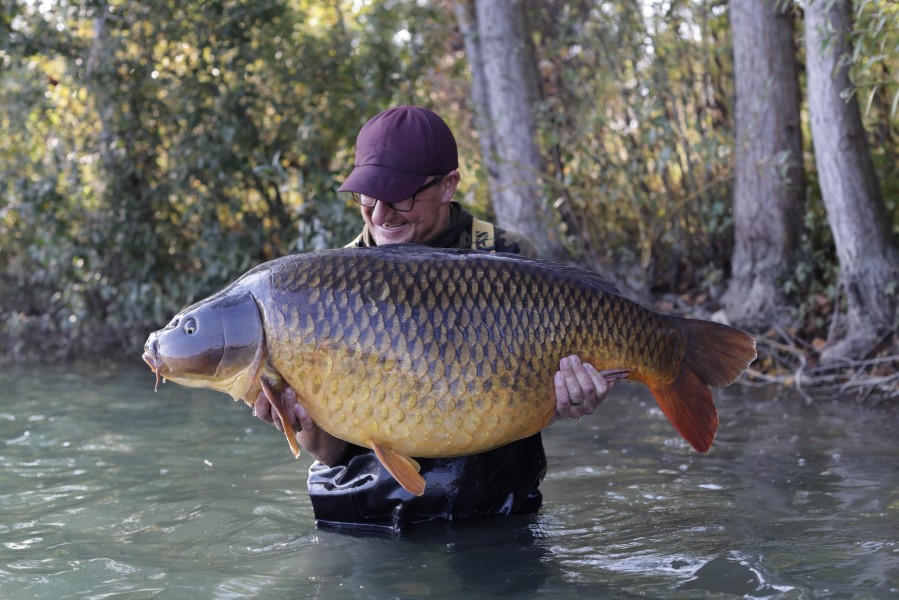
(716, 356)
(719, 354)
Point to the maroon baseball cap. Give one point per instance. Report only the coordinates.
(397, 150)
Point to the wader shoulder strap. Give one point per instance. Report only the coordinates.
(357, 243)
(483, 236)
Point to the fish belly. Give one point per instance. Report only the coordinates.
(447, 354)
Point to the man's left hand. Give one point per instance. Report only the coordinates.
(580, 388)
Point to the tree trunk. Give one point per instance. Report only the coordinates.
(505, 54)
(869, 260)
(768, 196)
(468, 25)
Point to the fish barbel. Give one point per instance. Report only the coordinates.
(421, 352)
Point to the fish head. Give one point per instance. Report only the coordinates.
(218, 343)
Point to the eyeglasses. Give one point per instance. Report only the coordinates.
(401, 206)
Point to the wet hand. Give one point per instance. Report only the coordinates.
(580, 388)
(293, 411)
(320, 444)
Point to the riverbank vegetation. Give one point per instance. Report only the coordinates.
(152, 151)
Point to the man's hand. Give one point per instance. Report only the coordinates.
(324, 447)
(295, 413)
(580, 388)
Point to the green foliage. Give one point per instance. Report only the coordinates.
(813, 282)
(152, 151)
(638, 113)
(875, 41)
(875, 73)
(874, 62)
(638, 119)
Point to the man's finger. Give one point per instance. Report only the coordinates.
(295, 411)
(289, 402)
(563, 407)
(585, 381)
(569, 367)
(303, 417)
(600, 387)
(262, 408)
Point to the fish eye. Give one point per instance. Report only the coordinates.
(190, 326)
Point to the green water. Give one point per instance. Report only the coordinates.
(108, 490)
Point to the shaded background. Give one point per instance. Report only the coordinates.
(152, 151)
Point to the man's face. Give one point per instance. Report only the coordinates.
(427, 218)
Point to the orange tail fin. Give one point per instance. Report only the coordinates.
(716, 356)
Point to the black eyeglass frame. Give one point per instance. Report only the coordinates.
(397, 206)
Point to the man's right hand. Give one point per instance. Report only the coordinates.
(295, 413)
(324, 447)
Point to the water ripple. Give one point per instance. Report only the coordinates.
(109, 490)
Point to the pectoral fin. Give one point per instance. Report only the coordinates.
(404, 469)
(279, 409)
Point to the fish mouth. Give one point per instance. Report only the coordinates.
(155, 365)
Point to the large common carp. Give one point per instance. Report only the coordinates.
(415, 351)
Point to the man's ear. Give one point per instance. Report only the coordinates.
(448, 185)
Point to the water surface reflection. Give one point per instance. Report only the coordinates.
(109, 489)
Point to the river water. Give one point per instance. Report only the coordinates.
(108, 490)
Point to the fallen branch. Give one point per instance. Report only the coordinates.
(791, 362)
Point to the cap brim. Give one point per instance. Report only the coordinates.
(383, 183)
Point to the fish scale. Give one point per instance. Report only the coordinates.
(421, 352)
(509, 353)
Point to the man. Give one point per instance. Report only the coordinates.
(404, 180)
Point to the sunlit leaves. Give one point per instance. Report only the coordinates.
(639, 112)
(152, 150)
